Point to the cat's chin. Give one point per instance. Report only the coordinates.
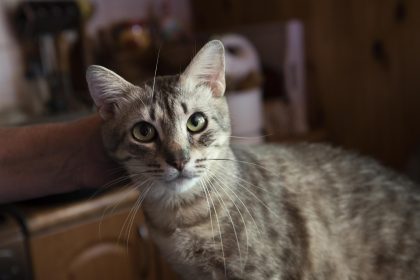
(181, 184)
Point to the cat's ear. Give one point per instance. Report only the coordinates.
(106, 88)
(208, 68)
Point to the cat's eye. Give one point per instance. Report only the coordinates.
(144, 132)
(197, 122)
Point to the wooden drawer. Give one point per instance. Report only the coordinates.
(86, 239)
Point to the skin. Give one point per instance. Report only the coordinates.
(54, 158)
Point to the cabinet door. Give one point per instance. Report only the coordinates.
(101, 248)
(104, 260)
(365, 65)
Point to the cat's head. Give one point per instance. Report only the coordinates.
(165, 130)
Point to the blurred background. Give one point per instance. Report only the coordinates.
(342, 72)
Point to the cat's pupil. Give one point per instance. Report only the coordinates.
(195, 120)
(144, 130)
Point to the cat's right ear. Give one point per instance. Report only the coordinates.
(106, 89)
(208, 68)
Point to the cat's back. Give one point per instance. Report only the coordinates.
(362, 218)
(312, 162)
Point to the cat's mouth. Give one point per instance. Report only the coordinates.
(173, 175)
(181, 182)
(182, 177)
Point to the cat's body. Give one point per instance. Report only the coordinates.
(264, 212)
(319, 213)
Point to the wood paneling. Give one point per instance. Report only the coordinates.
(365, 66)
(363, 62)
(222, 15)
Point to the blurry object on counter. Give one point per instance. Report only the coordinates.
(170, 27)
(243, 89)
(131, 46)
(49, 32)
(294, 72)
(128, 48)
(135, 35)
(281, 53)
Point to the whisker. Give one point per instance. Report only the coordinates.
(254, 195)
(131, 223)
(113, 183)
(154, 76)
(251, 184)
(131, 218)
(132, 210)
(250, 137)
(128, 218)
(237, 197)
(220, 231)
(240, 200)
(211, 218)
(222, 187)
(105, 211)
(241, 161)
(133, 188)
(220, 198)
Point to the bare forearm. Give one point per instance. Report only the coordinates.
(54, 158)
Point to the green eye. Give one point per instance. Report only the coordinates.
(144, 132)
(197, 122)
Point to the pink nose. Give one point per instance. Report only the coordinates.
(179, 163)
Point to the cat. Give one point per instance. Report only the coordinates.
(218, 211)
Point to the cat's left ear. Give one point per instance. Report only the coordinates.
(107, 89)
(208, 68)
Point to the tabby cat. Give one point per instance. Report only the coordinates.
(218, 211)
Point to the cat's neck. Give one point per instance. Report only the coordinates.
(173, 210)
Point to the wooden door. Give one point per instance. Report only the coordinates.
(95, 249)
(364, 66)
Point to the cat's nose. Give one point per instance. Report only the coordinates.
(178, 164)
(178, 159)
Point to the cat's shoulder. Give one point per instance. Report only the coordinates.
(311, 156)
(306, 151)
(326, 159)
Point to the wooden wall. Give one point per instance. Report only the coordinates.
(363, 65)
(364, 59)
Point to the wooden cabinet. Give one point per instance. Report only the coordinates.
(91, 238)
(364, 66)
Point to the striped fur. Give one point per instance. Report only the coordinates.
(261, 212)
